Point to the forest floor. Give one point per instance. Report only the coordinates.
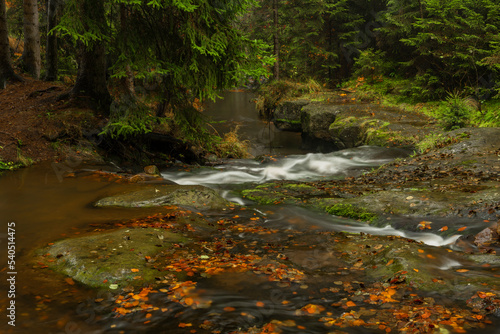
(33, 119)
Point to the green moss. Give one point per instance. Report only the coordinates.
(298, 186)
(350, 211)
(260, 196)
(343, 122)
(115, 257)
(288, 121)
(468, 162)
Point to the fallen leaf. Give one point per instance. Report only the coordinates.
(70, 281)
(350, 304)
(462, 270)
(462, 228)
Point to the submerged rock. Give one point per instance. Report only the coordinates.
(486, 237)
(195, 196)
(113, 258)
(152, 170)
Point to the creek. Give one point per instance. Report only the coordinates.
(46, 207)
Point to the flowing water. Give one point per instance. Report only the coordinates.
(46, 207)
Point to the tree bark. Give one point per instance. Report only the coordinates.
(91, 77)
(127, 81)
(51, 48)
(421, 9)
(276, 71)
(6, 71)
(32, 61)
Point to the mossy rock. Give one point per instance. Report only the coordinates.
(286, 117)
(398, 260)
(350, 132)
(282, 192)
(113, 258)
(195, 196)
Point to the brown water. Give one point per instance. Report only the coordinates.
(45, 208)
(237, 109)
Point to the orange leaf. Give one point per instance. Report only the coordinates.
(390, 262)
(260, 304)
(444, 228)
(229, 309)
(350, 304)
(313, 309)
(415, 270)
(182, 325)
(134, 270)
(70, 281)
(462, 270)
(421, 251)
(462, 228)
(426, 315)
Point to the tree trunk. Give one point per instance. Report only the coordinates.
(276, 72)
(51, 50)
(6, 70)
(32, 62)
(128, 80)
(421, 9)
(91, 76)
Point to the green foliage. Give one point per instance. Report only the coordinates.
(442, 43)
(318, 39)
(129, 119)
(490, 116)
(454, 113)
(350, 211)
(9, 165)
(438, 140)
(371, 65)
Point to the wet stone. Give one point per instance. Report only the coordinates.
(116, 257)
(153, 196)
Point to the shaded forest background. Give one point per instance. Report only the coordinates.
(148, 65)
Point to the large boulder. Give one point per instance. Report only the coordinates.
(287, 115)
(316, 119)
(110, 260)
(327, 127)
(160, 195)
